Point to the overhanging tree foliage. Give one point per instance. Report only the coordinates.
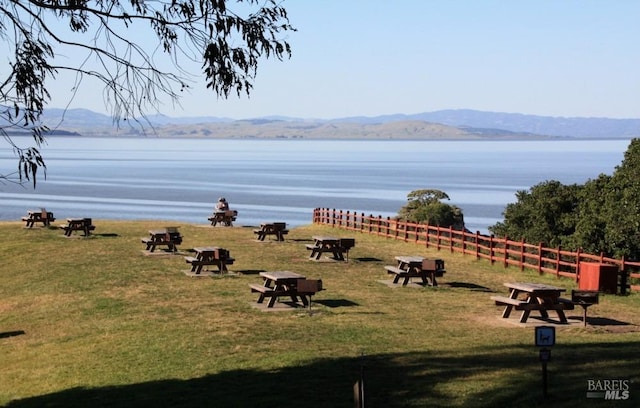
(107, 33)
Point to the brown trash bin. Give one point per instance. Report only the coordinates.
(598, 276)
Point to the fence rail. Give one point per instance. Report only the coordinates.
(496, 250)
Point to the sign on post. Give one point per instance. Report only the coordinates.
(545, 336)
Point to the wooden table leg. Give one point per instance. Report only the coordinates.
(433, 279)
(562, 316)
(424, 278)
(272, 300)
(267, 284)
(543, 312)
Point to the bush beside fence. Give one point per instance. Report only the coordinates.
(496, 250)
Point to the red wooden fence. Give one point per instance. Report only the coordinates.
(502, 250)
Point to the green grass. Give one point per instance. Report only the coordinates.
(94, 322)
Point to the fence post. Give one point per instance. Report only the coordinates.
(623, 277)
(406, 230)
(426, 235)
(450, 239)
(396, 221)
(491, 251)
(464, 242)
(506, 249)
(522, 254)
(577, 265)
(558, 262)
(540, 258)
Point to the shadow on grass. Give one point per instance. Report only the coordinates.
(4, 335)
(493, 376)
(251, 271)
(599, 321)
(335, 302)
(367, 259)
(471, 286)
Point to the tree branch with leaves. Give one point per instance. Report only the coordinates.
(227, 45)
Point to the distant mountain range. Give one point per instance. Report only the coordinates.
(454, 123)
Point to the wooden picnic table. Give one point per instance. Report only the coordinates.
(412, 266)
(223, 217)
(208, 256)
(526, 297)
(285, 283)
(84, 225)
(42, 215)
(327, 244)
(277, 229)
(169, 236)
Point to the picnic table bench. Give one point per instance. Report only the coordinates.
(416, 267)
(225, 217)
(84, 225)
(278, 229)
(536, 296)
(209, 256)
(169, 236)
(42, 215)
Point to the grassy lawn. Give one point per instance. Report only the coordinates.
(95, 322)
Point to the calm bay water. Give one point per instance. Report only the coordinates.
(283, 180)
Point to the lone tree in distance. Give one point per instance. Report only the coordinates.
(226, 43)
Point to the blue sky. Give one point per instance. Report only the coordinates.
(374, 57)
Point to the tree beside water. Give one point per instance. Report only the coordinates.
(426, 206)
(600, 216)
